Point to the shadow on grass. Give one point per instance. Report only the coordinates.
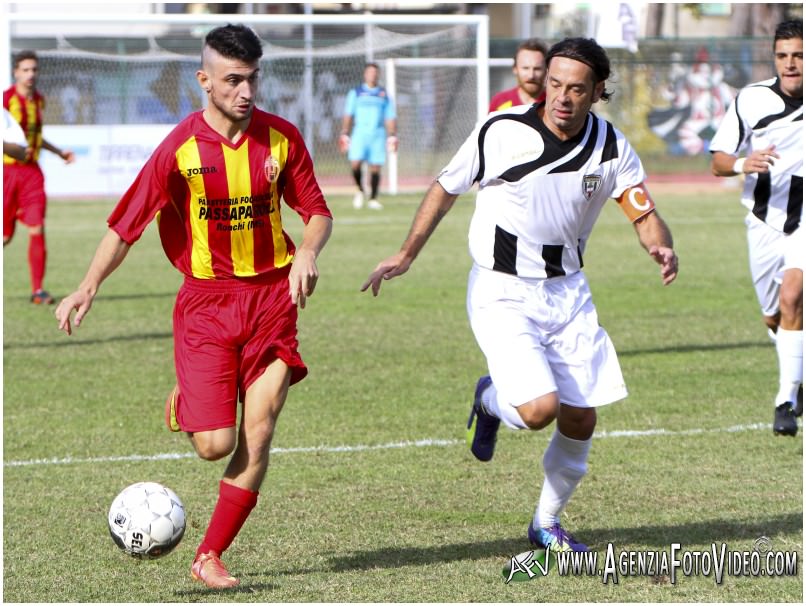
(737, 534)
(104, 297)
(77, 342)
(626, 353)
(200, 593)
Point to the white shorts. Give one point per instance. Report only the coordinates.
(771, 252)
(795, 250)
(542, 336)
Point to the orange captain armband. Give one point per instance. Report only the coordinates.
(635, 202)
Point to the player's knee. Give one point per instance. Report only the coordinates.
(575, 422)
(791, 300)
(213, 445)
(772, 322)
(540, 412)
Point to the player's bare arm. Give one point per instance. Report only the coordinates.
(108, 256)
(435, 205)
(65, 154)
(656, 237)
(304, 273)
(759, 161)
(653, 233)
(16, 151)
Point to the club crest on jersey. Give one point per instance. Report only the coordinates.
(590, 184)
(271, 168)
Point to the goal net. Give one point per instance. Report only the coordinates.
(118, 88)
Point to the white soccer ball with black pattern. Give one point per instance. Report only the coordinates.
(147, 520)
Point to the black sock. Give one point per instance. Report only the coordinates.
(358, 178)
(374, 180)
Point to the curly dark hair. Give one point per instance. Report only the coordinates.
(587, 51)
(235, 42)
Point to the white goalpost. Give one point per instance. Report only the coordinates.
(116, 83)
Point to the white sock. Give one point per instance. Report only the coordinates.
(565, 462)
(789, 344)
(502, 410)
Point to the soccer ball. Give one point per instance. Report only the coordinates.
(147, 520)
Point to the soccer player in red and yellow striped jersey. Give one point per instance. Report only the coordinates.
(23, 182)
(215, 185)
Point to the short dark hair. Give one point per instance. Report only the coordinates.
(587, 51)
(23, 55)
(235, 42)
(786, 30)
(372, 64)
(532, 44)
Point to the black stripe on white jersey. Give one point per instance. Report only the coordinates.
(790, 105)
(554, 149)
(762, 192)
(528, 118)
(505, 251)
(794, 205)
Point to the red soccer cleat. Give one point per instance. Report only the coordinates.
(209, 569)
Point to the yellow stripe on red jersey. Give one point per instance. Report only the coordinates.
(28, 114)
(219, 202)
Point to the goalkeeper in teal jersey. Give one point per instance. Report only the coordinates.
(369, 128)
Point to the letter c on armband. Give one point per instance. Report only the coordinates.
(634, 199)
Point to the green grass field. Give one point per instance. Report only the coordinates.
(403, 513)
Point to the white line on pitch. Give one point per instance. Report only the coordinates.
(626, 433)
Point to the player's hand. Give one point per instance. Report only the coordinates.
(68, 156)
(395, 265)
(80, 302)
(303, 276)
(667, 259)
(392, 143)
(761, 160)
(344, 143)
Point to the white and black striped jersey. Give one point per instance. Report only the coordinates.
(760, 116)
(538, 197)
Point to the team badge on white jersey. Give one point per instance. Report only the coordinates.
(590, 184)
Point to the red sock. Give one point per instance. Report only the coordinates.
(233, 507)
(36, 260)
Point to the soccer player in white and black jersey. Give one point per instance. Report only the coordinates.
(544, 173)
(761, 137)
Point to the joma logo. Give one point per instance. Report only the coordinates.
(201, 170)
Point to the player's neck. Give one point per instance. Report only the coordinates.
(224, 126)
(24, 91)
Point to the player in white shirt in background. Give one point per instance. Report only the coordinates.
(544, 173)
(14, 142)
(761, 137)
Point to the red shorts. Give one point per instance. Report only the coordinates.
(225, 335)
(23, 196)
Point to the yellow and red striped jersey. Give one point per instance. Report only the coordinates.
(510, 98)
(28, 113)
(218, 203)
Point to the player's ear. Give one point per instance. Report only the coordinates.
(204, 80)
(598, 89)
